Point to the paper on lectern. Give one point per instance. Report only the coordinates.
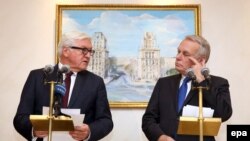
(193, 111)
(64, 135)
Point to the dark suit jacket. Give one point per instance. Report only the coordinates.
(89, 95)
(161, 116)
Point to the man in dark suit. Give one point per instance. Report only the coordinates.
(161, 118)
(87, 93)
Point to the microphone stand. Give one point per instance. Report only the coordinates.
(50, 116)
(52, 85)
(201, 118)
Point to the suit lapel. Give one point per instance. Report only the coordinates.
(77, 89)
(176, 91)
(189, 96)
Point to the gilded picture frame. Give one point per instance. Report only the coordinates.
(139, 44)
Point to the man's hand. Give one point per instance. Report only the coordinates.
(40, 134)
(197, 66)
(165, 138)
(80, 133)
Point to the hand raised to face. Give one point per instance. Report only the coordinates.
(197, 65)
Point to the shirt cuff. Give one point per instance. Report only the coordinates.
(32, 135)
(88, 137)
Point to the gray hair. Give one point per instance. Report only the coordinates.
(204, 50)
(69, 38)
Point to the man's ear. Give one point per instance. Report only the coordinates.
(65, 51)
(202, 60)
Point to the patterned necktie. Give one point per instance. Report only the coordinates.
(67, 86)
(182, 93)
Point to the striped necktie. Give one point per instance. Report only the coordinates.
(67, 86)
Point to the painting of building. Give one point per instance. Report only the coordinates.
(133, 48)
(149, 59)
(99, 63)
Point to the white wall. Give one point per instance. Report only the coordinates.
(27, 36)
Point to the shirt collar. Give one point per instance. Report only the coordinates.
(182, 79)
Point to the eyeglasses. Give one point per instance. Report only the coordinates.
(84, 50)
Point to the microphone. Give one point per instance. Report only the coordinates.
(60, 89)
(63, 69)
(48, 69)
(190, 74)
(59, 92)
(205, 73)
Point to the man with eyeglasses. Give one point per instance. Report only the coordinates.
(87, 92)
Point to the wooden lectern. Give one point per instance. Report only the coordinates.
(60, 123)
(199, 126)
(191, 126)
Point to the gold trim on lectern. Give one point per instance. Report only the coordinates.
(60, 123)
(190, 126)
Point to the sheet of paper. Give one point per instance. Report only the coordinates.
(64, 135)
(193, 111)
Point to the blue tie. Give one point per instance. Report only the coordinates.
(182, 93)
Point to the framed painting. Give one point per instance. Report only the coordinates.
(135, 44)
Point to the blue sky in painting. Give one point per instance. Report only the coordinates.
(125, 29)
